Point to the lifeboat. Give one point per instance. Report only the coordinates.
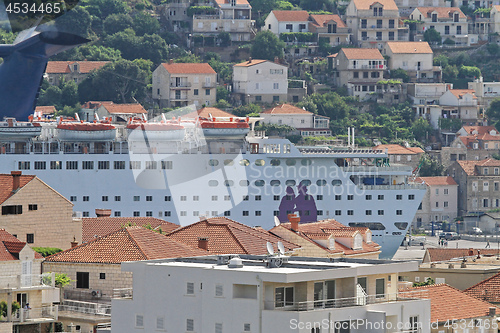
(86, 132)
(227, 129)
(13, 130)
(162, 131)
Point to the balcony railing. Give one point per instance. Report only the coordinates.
(209, 84)
(27, 281)
(123, 293)
(181, 85)
(337, 303)
(86, 308)
(34, 315)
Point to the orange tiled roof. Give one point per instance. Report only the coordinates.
(291, 15)
(321, 20)
(10, 247)
(470, 166)
(49, 109)
(367, 4)
(393, 149)
(6, 185)
(250, 62)
(133, 108)
(93, 227)
(410, 47)
(189, 68)
(362, 54)
(207, 111)
(228, 236)
(286, 109)
(448, 303)
(480, 129)
(459, 93)
(437, 254)
(128, 244)
(438, 181)
(487, 290)
(442, 12)
(238, 2)
(60, 67)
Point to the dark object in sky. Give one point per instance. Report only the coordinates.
(23, 67)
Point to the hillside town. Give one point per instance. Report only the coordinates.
(251, 166)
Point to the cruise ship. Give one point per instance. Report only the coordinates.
(185, 169)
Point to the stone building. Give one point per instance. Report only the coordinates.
(439, 202)
(77, 71)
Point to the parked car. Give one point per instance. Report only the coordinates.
(449, 235)
(417, 240)
(477, 230)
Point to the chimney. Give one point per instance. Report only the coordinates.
(276, 60)
(471, 252)
(74, 243)
(294, 221)
(170, 61)
(492, 311)
(16, 180)
(203, 243)
(250, 60)
(101, 212)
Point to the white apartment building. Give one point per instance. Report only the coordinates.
(268, 294)
(486, 92)
(260, 81)
(279, 21)
(459, 103)
(374, 23)
(407, 6)
(182, 84)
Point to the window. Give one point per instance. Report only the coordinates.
(379, 35)
(368, 197)
(283, 296)
(338, 197)
(258, 198)
(102, 276)
(368, 212)
(30, 238)
(446, 29)
(71, 165)
(399, 197)
(167, 213)
(86, 198)
(338, 212)
(72, 198)
(379, 288)
(149, 213)
(118, 198)
(207, 92)
(246, 327)
(40, 165)
(166, 165)
(137, 214)
(82, 280)
(218, 327)
(190, 288)
(365, 75)
(227, 213)
(55, 165)
(400, 212)
(23, 165)
(445, 191)
(118, 214)
(219, 290)
(119, 165)
(246, 197)
(160, 323)
(289, 27)
(88, 165)
(190, 325)
(445, 204)
(103, 165)
(168, 198)
(276, 85)
(350, 197)
(380, 212)
(151, 165)
(459, 32)
(195, 92)
(276, 198)
(363, 24)
(245, 213)
(356, 75)
(380, 197)
(104, 198)
(276, 98)
(139, 320)
(32, 207)
(149, 198)
(350, 212)
(85, 214)
(258, 213)
(137, 198)
(135, 165)
(411, 196)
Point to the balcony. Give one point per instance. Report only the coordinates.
(85, 310)
(209, 84)
(123, 293)
(35, 315)
(182, 85)
(14, 282)
(179, 99)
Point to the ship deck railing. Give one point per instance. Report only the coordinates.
(326, 150)
(373, 168)
(412, 186)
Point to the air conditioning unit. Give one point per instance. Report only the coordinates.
(96, 293)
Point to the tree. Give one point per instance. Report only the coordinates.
(400, 74)
(145, 24)
(222, 93)
(493, 49)
(244, 110)
(224, 38)
(450, 72)
(69, 93)
(469, 72)
(51, 96)
(430, 167)
(76, 21)
(493, 110)
(267, 46)
(421, 128)
(98, 53)
(117, 22)
(428, 282)
(62, 280)
(432, 36)
(104, 8)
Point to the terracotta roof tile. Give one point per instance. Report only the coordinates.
(487, 290)
(228, 236)
(438, 181)
(128, 244)
(6, 185)
(367, 4)
(93, 227)
(10, 247)
(250, 62)
(49, 109)
(439, 254)
(393, 149)
(133, 108)
(459, 93)
(442, 12)
(480, 129)
(189, 68)
(321, 20)
(410, 47)
(291, 15)
(60, 67)
(362, 54)
(470, 166)
(448, 303)
(286, 109)
(238, 2)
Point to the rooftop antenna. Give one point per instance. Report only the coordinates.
(276, 221)
(281, 248)
(270, 248)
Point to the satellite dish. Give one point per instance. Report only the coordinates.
(276, 221)
(281, 248)
(270, 249)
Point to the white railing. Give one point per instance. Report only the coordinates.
(377, 169)
(346, 302)
(123, 293)
(95, 309)
(27, 281)
(35, 314)
(394, 187)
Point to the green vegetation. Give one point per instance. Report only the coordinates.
(46, 251)
(298, 37)
(432, 36)
(62, 280)
(3, 308)
(428, 282)
(267, 46)
(430, 167)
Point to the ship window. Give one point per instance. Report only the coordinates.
(151, 165)
(350, 212)
(168, 198)
(119, 165)
(338, 212)
(290, 162)
(101, 165)
(306, 162)
(228, 183)
(399, 212)
(135, 165)
(275, 182)
(260, 182)
(228, 162)
(338, 197)
(319, 197)
(245, 162)
(244, 182)
(246, 197)
(368, 212)
(167, 213)
(149, 198)
(137, 198)
(213, 163)
(321, 182)
(104, 198)
(380, 197)
(118, 198)
(245, 213)
(149, 213)
(166, 165)
(258, 213)
(213, 183)
(118, 214)
(411, 197)
(88, 165)
(369, 225)
(290, 182)
(55, 165)
(276, 197)
(137, 214)
(260, 162)
(40, 165)
(399, 197)
(380, 212)
(24, 165)
(401, 225)
(275, 162)
(71, 165)
(336, 182)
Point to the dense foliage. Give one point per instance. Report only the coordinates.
(46, 251)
